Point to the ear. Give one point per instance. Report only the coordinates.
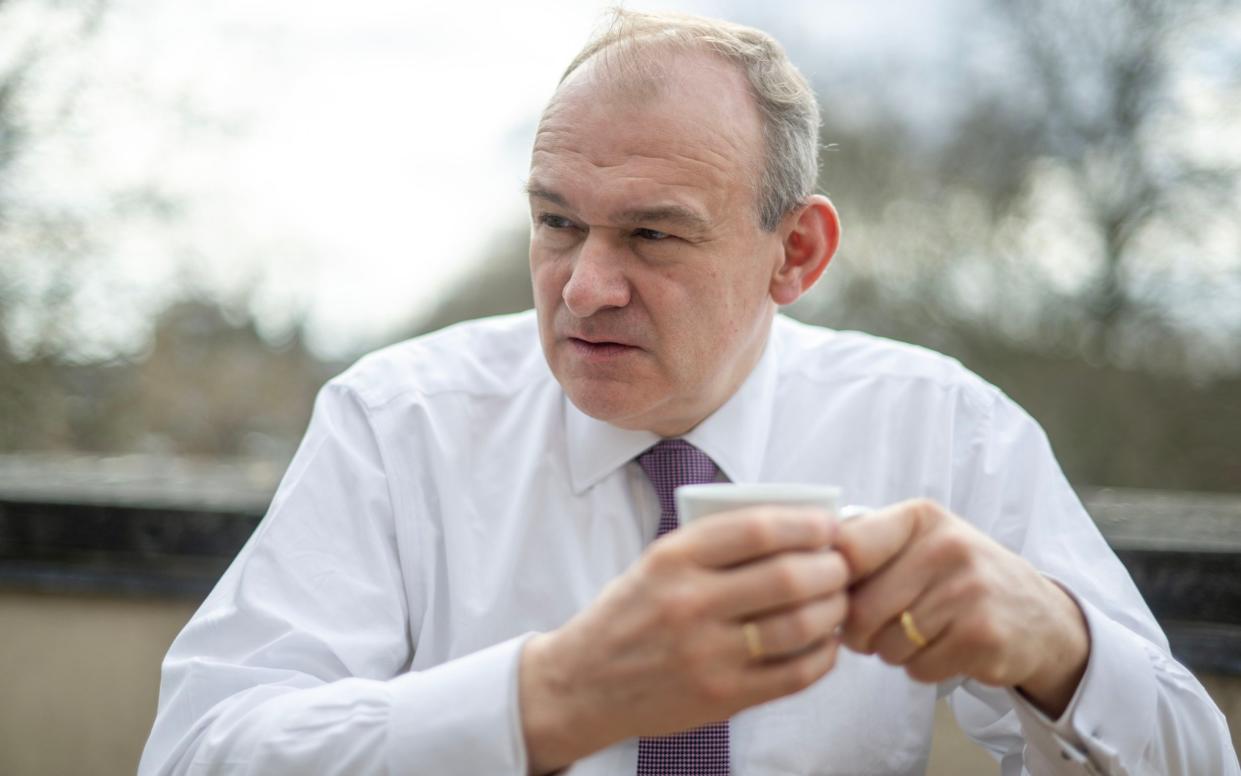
(811, 234)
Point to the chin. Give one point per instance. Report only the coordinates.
(608, 406)
(612, 403)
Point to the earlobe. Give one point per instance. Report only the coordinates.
(812, 235)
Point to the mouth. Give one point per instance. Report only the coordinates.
(599, 349)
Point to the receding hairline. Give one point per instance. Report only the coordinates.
(631, 33)
(642, 67)
(651, 75)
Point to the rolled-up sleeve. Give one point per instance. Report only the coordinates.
(298, 660)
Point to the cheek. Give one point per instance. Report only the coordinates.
(546, 279)
(721, 299)
(700, 317)
(546, 287)
(721, 313)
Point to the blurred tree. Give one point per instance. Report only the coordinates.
(33, 37)
(205, 382)
(1063, 238)
(29, 402)
(76, 197)
(1107, 96)
(499, 284)
(209, 385)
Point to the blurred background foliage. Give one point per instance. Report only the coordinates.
(1069, 227)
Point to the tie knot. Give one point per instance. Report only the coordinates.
(673, 463)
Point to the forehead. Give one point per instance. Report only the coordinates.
(687, 127)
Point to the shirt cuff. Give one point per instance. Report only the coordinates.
(461, 717)
(1108, 721)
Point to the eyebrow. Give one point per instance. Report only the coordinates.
(671, 213)
(551, 196)
(664, 214)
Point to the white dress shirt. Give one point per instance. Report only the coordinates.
(448, 500)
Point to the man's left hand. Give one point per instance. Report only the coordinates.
(983, 611)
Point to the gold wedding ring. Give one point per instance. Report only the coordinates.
(911, 630)
(753, 640)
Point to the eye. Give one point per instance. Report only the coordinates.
(651, 234)
(553, 221)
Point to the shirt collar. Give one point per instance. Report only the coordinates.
(735, 435)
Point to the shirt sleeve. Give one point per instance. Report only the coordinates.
(1136, 710)
(298, 660)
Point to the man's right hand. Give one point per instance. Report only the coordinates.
(663, 647)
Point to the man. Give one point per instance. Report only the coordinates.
(460, 572)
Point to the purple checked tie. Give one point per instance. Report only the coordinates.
(702, 751)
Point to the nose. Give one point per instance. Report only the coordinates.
(597, 281)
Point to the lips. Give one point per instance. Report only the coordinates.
(599, 349)
(601, 341)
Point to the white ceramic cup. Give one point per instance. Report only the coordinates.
(697, 501)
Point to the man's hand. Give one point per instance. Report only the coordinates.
(663, 648)
(984, 611)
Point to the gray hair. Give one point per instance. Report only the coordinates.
(787, 107)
